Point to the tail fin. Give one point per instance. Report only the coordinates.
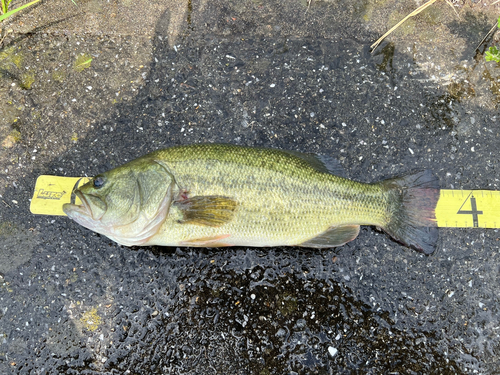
(413, 201)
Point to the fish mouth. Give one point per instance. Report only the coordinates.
(84, 209)
(71, 209)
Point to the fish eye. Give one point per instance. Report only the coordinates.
(99, 182)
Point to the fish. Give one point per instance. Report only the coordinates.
(217, 195)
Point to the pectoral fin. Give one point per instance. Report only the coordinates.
(210, 210)
(334, 236)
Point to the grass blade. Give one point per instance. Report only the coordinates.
(11, 12)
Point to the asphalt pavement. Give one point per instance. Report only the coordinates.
(282, 74)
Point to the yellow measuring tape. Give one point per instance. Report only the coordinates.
(468, 208)
(455, 208)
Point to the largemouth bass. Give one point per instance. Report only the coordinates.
(212, 195)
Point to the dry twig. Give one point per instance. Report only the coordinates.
(414, 13)
(491, 32)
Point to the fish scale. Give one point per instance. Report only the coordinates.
(285, 205)
(225, 195)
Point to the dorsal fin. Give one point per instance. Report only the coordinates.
(322, 163)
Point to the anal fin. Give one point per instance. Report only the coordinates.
(332, 237)
(215, 241)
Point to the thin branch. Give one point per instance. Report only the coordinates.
(414, 13)
(490, 33)
(452, 7)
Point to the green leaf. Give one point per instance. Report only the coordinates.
(493, 54)
(11, 12)
(82, 62)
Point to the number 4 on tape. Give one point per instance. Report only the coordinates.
(468, 208)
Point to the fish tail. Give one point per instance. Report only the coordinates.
(412, 210)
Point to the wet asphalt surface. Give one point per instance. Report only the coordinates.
(74, 302)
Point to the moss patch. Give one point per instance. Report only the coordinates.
(91, 320)
(11, 56)
(58, 76)
(11, 139)
(27, 79)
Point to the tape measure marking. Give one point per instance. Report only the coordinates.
(468, 209)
